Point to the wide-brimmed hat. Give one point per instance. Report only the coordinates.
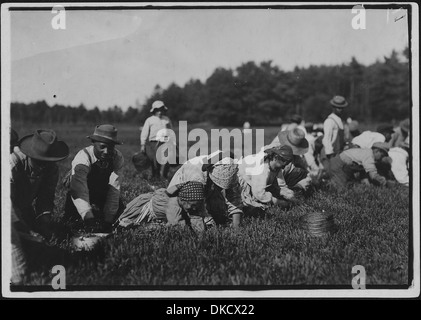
(14, 137)
(285, 152)
(385, 128)
(338, 102)
(294, 138)
(106, 133)
(382, 146)
(43, 145)
(157, 105)
(224, 173)
(404, 124)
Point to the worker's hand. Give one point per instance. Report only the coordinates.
(287, 193)
(143, 148)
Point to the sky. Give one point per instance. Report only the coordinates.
(115, 57)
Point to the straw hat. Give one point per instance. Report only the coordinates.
(106, 133)
(294, 138)
(338, 102)
(43, 145)
(384, 146)
(318, 224)
(157, 105)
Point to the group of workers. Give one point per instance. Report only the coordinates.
(207, 190)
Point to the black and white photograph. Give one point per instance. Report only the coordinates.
(210, 150)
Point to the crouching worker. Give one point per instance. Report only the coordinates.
(218, 173)
(258, 178)
(94, 181)
(33, 184)
(362, 162)
(185, 208)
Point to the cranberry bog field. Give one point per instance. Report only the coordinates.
(271, 252)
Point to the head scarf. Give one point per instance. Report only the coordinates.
(191, 191)
(224, 173)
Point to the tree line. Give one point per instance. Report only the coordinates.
(262, 94)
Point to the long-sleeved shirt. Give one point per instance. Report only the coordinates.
(81, 166)
(367, 139)
(29, 187)
(257, 174)
(152, 126)
(192, 171)
(399, 165)
(331, 128)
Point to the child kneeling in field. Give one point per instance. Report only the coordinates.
(258, 178)
(185, 208)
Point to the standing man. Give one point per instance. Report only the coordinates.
(333, 127)
(33, 184)
(95, 181)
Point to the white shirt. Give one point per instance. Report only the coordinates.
(399, 168)
(367, 139)
(152, 129)
(331, 127)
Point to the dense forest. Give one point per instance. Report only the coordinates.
(262, 94)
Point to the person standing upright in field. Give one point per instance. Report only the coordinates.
(334, 134)
(153, 135)
(95, 180)
(33, 184)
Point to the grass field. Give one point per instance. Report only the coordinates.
(373, 231)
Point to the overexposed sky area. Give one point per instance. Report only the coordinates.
(113, 57)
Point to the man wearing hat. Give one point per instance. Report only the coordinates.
(258, 177)
(218, 173)
(154, 133)
(334, 135)
(296, 121)
(33, 184)
(185, 207)
(95, 180)
(295, 175)
(345, 165)
(400, 134)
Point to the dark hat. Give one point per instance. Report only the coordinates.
(384, 146)
(294, 138)
(141, 161)
(385, 127)
(43, 145)
(338, 102)
(106, 133)
(296, 118)
(285, 152)
(404, 124)
(14, 137)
